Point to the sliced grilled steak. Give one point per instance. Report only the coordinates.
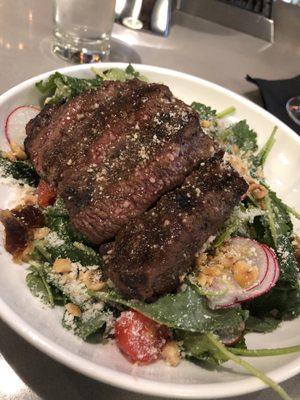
(159, 152)
(152, 251)
(35, 140)
(102, 114)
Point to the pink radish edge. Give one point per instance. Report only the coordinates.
(230, 341)
(8, 118)
(272, 262)
(272, 254)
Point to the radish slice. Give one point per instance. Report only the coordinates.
(272, 259)
(226, 292)
(16, 122)
(232, 336)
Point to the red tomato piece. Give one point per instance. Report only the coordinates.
(46, 194)
(139, 338)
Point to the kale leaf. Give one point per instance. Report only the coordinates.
(58, 220)
(260, 158)
(281, 227)
(39, 287)
(196, 345)
(19, 170)
(186, 310)
(205, 112)
(63, 241)
(241, 135)
(131, 71)
(282, 304)
(48, 250)
(237, 224)
(89, 328)
(121, 75)
(59, 87)
(261, 325)
(274, 229)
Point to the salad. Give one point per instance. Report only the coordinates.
(245, 279)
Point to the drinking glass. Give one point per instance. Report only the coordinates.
(293, 109)
(82, 29)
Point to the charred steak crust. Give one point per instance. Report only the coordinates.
(113, 152)
(87, 124)
(161, 144)
(34, 140)
(152, 251)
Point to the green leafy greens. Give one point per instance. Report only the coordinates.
(239, 134)
(199, 329)
(205, 112)
(186, 310)
(22, 171)
(90, 328)
(58, 87)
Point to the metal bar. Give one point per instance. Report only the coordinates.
(233, 17)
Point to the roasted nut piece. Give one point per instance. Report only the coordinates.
(204, 280)
(91, 281)
(9, 155)
(205, 123)
(258, 191)
(214, 270)
(30, 199)
(171, 353)
(40, 233)
(244, 274)
(201, 259)
(18, 152)
(62, 265)
(73, 309)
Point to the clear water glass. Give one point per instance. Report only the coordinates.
(82, 29)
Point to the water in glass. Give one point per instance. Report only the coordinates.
(82, 29)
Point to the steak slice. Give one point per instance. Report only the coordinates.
(35, 139)
(98, 114)
(151, 252)
(159, 152)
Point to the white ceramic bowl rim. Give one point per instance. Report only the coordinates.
(119, 379)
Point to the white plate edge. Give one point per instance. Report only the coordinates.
(135, 384)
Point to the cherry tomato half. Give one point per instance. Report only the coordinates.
(139, 338)
(46, 194)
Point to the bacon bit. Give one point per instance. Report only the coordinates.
(17, 235)
(30, 216)
(19, 225)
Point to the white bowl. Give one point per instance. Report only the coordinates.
(41, 326)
